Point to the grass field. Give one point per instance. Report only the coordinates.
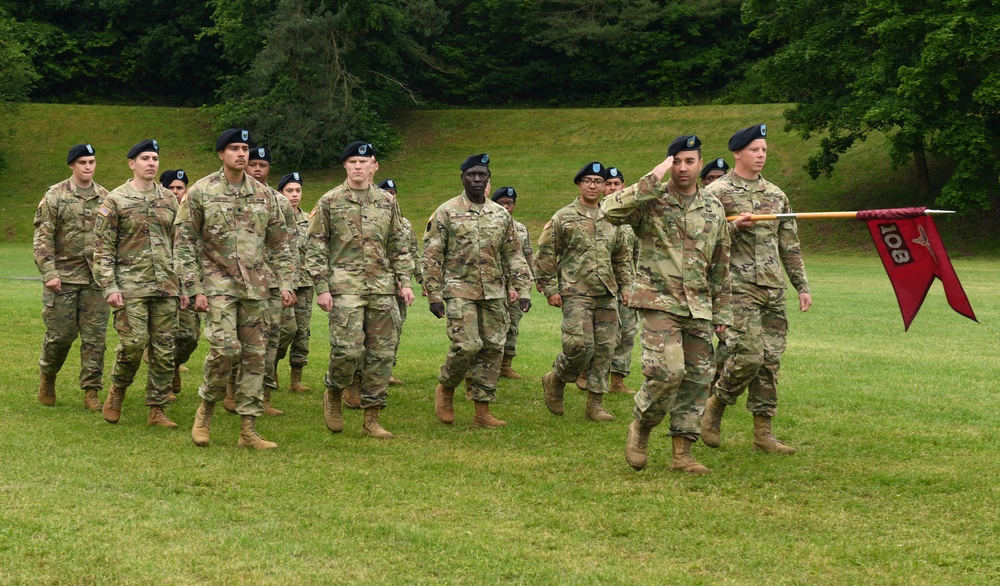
(536, 151)
(895, 481)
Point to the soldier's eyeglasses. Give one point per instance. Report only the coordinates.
(589, 181)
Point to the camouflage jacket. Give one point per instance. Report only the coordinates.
(288, 215)
(758, 255)
(683, 265)
(411, 243)
(64, 232)
(470, 254)
(581, 253)
(134, 246)
(225, 238)
(357, 245)
(300, 221)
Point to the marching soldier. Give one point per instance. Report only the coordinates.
(507, 197)
(290, 186)
(72, 302)
(188, 330)
(628, 318)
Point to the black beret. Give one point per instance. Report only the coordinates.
(293, 177)
(170, 175)
(387, 184)
(79, 150)
(233, 135)
(684, 143)
(614, 173)
(482, 159)
(504, 192)
(592, 168)
(260, 154)
(357, 148)
(149, 145)
(719, 164)
(744, 137)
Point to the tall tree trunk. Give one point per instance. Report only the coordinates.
(923, 175)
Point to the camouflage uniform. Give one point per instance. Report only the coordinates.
(471, 256)
(64, 248)
(226, 239)
(514, 309)
(358, 253)
(584, 258)
(418, 273)
(134, 256)
(628, 318)
(298, 334)
(186, 334)
(681, 290)
(750, 352)
(281, 320)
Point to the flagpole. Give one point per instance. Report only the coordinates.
(818, 215)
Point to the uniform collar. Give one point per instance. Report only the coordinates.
(674, 198)
(741, 183)
(586, 211)
(485, 206)
(245, 189)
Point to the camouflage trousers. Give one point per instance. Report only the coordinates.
(677, 361)
(402, 319)
(589, 334)
(477, 329)
(749, 353)
(236, 330)
(281, 330)
(628, 327)
(363, 338)
(146, 322)
(186, 335)
(296, 337)
(514, 314)
(77, 310)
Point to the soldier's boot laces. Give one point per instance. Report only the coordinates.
(47, 390)
(506, 368)
(372, 427)
(201, 431)
(553, 387)
(618, 384)
(484, 418)
(90, 400)
(113, 404)
(333, 416)
(683, 460)
(157, 418)
(763, 438)
(352, 393)
(444, 404)
(711, 422)
(229, 403)
(635, 444)
(296, 386)
(595, 410)
(269, 409)
(249, 438)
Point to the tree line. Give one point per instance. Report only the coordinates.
(309, 73)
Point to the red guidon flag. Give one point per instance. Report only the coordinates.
(914, 256)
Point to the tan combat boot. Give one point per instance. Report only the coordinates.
(249, 437)
(683, 460)
(230, 401)
(484, 418)
(333, 416)
(711, 422)
(394, 381)
(444, 404)
(90, 400)
(581, 381)
(635, 444)
(269, 410)
(371, 426)
(618, 384)
(506, 370)
(296, 385)
(201, 431)
(763, 438)
(554, 387)
(175, 385)
(113, 404)
(157, 418)
(47, 390)
(352, 393)
(595, 410)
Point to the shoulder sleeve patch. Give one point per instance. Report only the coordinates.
(547, 225)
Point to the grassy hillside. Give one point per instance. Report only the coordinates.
(537, 151)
